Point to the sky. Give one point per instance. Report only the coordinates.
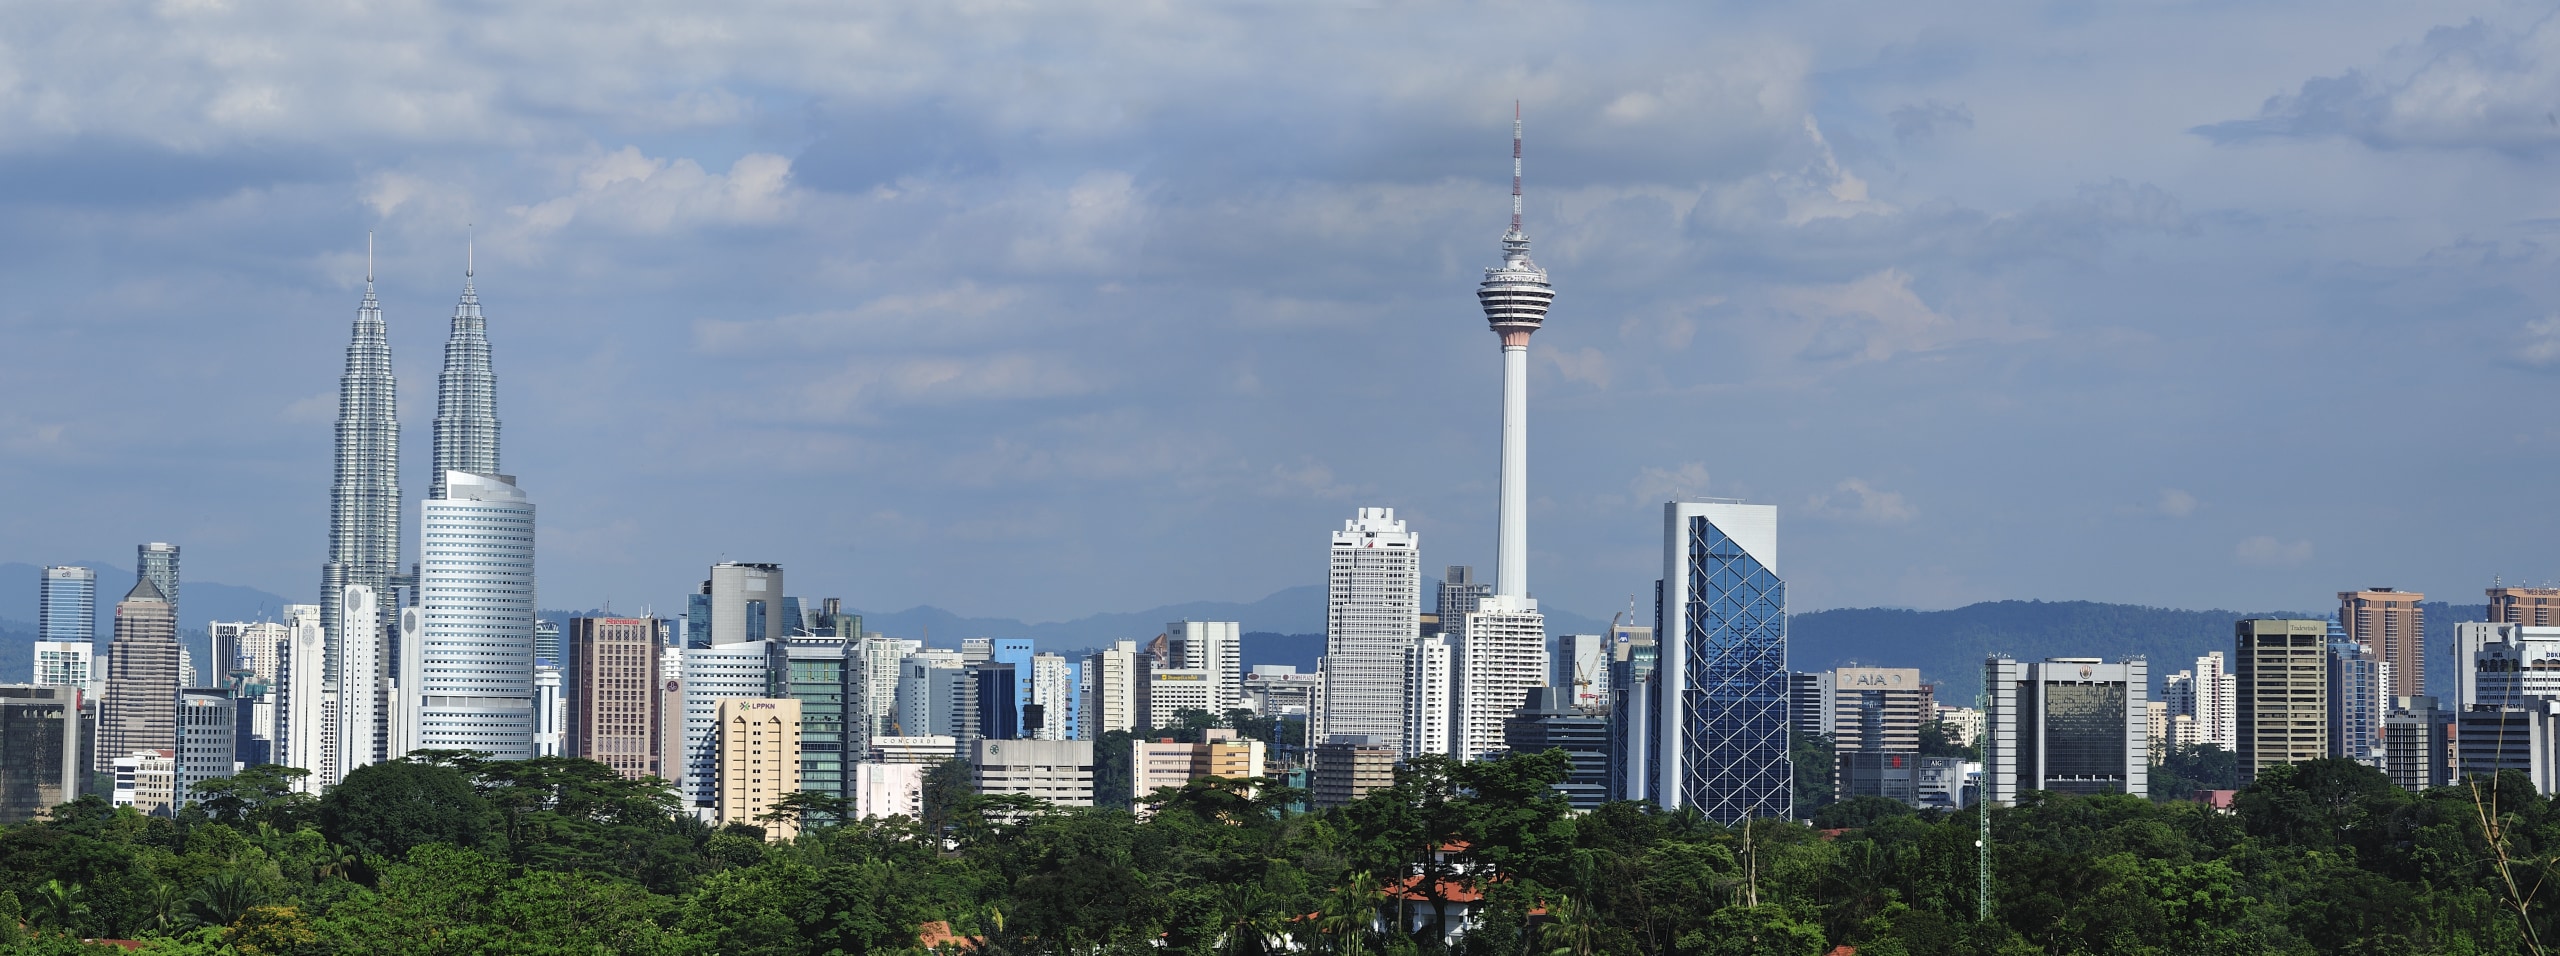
(1046, 309)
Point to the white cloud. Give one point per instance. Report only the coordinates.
(2267, 552)
(2541, 342)
(2478, 84)
(2175, 503)
(633, 192)
(1586, 365)
(1854, 499)
(1656, 485)
(964, 312)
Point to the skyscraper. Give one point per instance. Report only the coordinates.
(1213, 646)
(2208, 696)
(1114, 695)
(65, 663)
(745, 603)
(1373, 607)
(2392, 623)
(67, 605)
(470, 671)
(612, 690)
(758, 761)
(141, 708)
(713, 675)
(2537, 607)
(361, 708)
(823, 673)
(466, 438)
(364, 498)
(40, 766)
(1721, 624)
(306, 707)
(158, 561)
(2359, 701)
(2283, 676)
(1427, 695)
(208, 720)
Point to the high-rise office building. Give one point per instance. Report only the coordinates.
(2492, 740)
(1880, 708)
(759, 761)
(362, 711)
(158, 561)
(1721, 621)
(2282, 667)
(364, 495)
(2067, 725)
(208, 741)
(1501, 657)
(65, 663)
(1428, 696)
(40, 765)
(744, 603)
(1551, 721)
(1275, 690)
(1172, 690)
(306, 704)
(1373, 607)
(1216, 647)
(466, 426)
(1116, 681)
(711, 675)
(1057, 771)
(613, 693)
(470, 672)
(1460, 593)
(67, 605)
(1812, 703)
(2394, 625)
(930, 682)
(2417, 743)
(2359, 701)
(141, 707)
(880, 657)
(823, 674)
(1635, 712)
(1049, 698)
(546, 642)
(2533, 607)
(550, 713)
(2505, 665)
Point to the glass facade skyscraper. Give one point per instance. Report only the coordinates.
(67, 605)
(825, 675)
(1722, 627)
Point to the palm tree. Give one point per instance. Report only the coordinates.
(1573, 929)
(224, 898)
(61, 907)
(1349, 913)
(167, 910)
(1246, 921)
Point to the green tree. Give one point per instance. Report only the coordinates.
(61, 907)
(1763, 930)
(388, 809)
(1812, 756)
(265, 794)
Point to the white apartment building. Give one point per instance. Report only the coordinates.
(1052, 688)
(1216, 647)
(888, 790)
(306, 706)
(1115, 691)
(359, 690)
(1373, 611)
(1428, 706)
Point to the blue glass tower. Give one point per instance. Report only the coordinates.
(1721, 625)
(67, 605)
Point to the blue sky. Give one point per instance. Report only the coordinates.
(1039, 310)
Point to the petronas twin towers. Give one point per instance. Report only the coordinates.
(365, 503)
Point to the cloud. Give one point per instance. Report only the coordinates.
(1855, 500)
(1655, 485)
(962, 312)
(312, 409)
(1920, 122)
(2267, 552)
(2540, 345)
(2175, 503)
(633, 192)
(1585, 365)
(2476, 85)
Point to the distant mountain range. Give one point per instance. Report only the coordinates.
(1288, 628)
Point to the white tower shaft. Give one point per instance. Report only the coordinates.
(1511, 537)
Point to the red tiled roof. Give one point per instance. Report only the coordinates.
(937, 934)
(1455, 891)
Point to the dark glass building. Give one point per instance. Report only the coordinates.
(1547, 721)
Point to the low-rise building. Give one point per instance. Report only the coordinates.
(147, 781)
(41, 766)
(1057, 771)
(1167, 763)
(1348, 767)
(888, 790)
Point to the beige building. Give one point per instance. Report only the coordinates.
(1058, 771)
(2392, 625)
(1166, 763)
(1880, 708)
(2533, 607)
(1347, 769)
(146, 780)
(759, 760)
(2282, 672)
(613, 693)
(140, 712)
(1114, 696)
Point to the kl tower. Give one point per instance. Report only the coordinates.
(1503, 650)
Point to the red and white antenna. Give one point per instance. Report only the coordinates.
(1515, 167)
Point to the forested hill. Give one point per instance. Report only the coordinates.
(1948, 646)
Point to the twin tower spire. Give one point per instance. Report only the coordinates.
(364, 502)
